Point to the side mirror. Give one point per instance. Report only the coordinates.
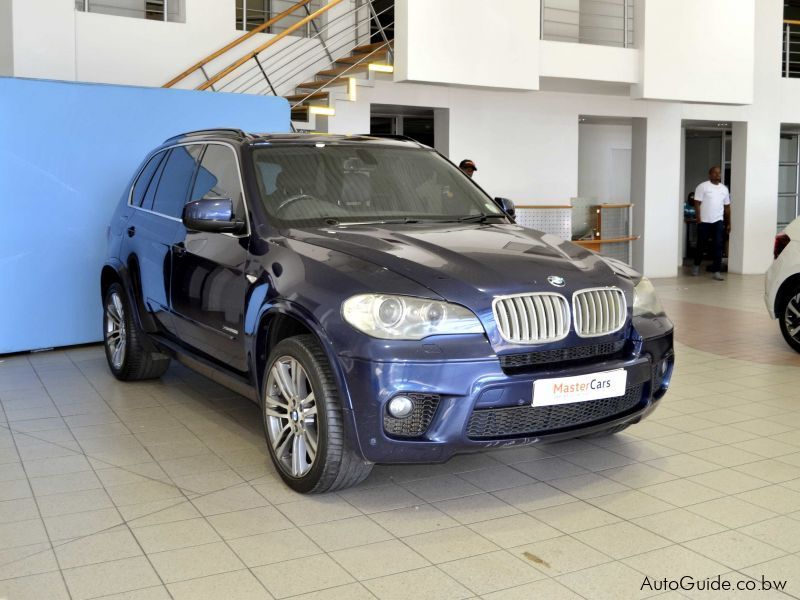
(212, 215)
(507, 206)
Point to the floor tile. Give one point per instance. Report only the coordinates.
(299, 577)
(179, 534)
(110, 578)
(609, 581)
(547, 588)
(630, 504)
(273, 547)
(444, 487)
(785, 569)
(491, 572)
(622, 540)
(346, 533)
(450, 544)
(734, 549)
(352, 591)
(589, 485)
(241, 585)
(679, 525)
(22, 533)
(560, 555)
(244, 523)
(35, 587)
(22, 561)
(380, 559)
(781, 532)
(428, 582)
(318, 509)
(775, 498)
(673, 562)
(473, 509)
(194, 562)
(731, 511)
(413, 520)
(535, 496)
(575, 516)
(515, 530)
(497, 478)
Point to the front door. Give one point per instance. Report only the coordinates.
(208, 283)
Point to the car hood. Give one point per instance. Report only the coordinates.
(467, 263)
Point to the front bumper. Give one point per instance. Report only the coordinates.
(475, 404)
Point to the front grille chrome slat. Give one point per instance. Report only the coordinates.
(532, 318)
(602, 311)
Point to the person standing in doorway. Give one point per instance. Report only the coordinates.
(468, 167)
(713, 205)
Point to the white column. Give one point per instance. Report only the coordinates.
(754, 193)
(655, 191)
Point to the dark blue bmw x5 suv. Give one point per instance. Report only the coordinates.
(374, 301)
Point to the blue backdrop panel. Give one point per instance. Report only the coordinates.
(67, 152)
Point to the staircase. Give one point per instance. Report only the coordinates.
(313, 71)
(318, 91)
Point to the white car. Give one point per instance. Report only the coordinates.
(782, 289)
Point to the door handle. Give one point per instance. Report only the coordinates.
(131, 231)
(179, 249)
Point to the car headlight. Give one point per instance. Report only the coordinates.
(391, 317)
(645, 300)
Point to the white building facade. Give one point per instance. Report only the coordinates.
(544, 120)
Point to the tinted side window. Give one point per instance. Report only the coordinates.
(152, 187)
(218, 177)
(173, 187)
(146, 179)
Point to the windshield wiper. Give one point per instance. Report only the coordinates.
(481, 218)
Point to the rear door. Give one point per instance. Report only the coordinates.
(145, 245)
(208, 282)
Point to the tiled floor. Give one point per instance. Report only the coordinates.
(163, 490)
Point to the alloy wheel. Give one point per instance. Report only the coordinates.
(791, 317)
(116, 335)
(291, 411)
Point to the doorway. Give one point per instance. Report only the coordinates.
(415, 122)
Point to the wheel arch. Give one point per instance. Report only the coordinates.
(283, 321)
(791, 283)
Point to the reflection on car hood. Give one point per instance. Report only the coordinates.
(466, 263)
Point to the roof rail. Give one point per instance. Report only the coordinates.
(227, 131)
(392, 136)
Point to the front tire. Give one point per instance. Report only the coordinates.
(789, 316)
(127, 357)
(302, 416)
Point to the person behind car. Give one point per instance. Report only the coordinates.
(713, 204)
(468, 167)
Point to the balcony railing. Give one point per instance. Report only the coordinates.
(603, 22)
(152, 10)
(791, 49)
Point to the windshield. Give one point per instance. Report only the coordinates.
(317, 185)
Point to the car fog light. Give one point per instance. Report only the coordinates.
(401, 407)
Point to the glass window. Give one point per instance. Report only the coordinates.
(788, 148)
(314, 185)
(787, 210)
(218, 177)
(145, 179)
(787, 179)
(173, 187)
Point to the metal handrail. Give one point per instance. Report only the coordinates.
(790, 62)
(622, 16)
(238, 63)
(277, 64)
(200, 64)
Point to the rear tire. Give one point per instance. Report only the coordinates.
(788, 314)
(127, 357)
(302, 415)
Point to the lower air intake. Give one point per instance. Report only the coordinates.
(529, 420)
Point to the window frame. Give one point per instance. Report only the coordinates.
(204, 144)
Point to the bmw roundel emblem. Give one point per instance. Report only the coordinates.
(556, 281)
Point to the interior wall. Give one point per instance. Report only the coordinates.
(68, 188)
(600, 148)
(697, 51)
(6, 39)
(464, 42)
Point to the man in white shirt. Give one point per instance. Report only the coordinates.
(713, 204)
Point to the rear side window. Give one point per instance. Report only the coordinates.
(173, 187)
(146, 179)
(218, 177)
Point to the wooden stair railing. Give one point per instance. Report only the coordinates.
(250, 55)
(200, 64)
